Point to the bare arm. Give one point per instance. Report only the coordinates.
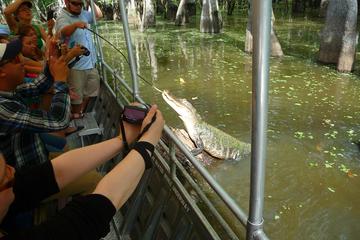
(73, 164)
(8, 13)
(70, 29)
(122, 180)
(43, 33)
(98, 12)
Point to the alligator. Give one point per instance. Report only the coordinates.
(206, 137)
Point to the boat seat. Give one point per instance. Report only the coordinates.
(90, 126)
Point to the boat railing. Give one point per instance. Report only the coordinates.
(221, 220)
(171, 166)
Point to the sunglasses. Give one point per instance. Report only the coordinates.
(15, 60)
(76, 4)
(22, 9)
(134, 114)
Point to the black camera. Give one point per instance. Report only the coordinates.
(134, 114)
(87, 52)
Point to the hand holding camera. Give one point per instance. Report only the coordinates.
(152, 126)
(74, 52)
(57, 64)
(139, 119)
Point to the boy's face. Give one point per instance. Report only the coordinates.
(28, 47)
(13, 71)
(24, 12)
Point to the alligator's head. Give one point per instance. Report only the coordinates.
(186, 111)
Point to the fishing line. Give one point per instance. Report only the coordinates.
(112, 45)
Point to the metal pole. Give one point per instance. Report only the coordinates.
(124, 19)
(98, 40)
(261, 19)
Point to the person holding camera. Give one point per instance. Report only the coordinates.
(71, 25)
(20, 125)
(86, 217)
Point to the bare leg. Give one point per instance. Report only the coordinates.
(85, 103)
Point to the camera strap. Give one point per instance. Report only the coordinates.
(146, 128)
(142, 147)
(146, 151)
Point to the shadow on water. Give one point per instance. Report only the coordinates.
(312, 167)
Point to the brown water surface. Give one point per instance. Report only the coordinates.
(312, 185)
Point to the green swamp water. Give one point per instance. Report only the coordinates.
(312, 189)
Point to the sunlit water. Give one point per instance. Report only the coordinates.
(312, 189)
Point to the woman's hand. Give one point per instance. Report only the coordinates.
(133, 131)
(153, 134)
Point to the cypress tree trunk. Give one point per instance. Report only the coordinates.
(338, 37)
(181, 15)
(133, 14)
(148, 16)
(323, 7)
(230, 5)
(211, 21)
(170, 10)
(276, 50)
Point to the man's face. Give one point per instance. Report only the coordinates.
(13, 71)
(74, 6)
(24, 12)
(28, 47)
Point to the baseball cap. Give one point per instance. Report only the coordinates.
(10, 50)
(27, 3)
(4, 30)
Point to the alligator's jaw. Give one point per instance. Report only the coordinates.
(185, 110)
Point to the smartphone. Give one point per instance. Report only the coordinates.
(134, 114)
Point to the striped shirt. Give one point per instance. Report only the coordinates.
(20, 126)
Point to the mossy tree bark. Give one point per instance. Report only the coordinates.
(211, 20)
(338, 37)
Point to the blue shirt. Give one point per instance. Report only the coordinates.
(79, 36)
